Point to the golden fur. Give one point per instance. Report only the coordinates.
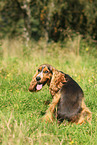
(55, 80)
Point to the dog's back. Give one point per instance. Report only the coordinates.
(70, 102)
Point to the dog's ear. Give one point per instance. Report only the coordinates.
(33, 83)
(51, 69)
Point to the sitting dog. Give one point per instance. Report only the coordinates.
(67, 95)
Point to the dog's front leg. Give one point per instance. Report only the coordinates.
(49, 116)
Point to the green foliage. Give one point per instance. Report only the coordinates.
(54, 20)
(21, 111)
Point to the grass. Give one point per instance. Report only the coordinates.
(21, 111)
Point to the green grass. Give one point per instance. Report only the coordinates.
(21, 111)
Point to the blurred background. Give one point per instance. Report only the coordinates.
(54, 20)
(62, 33)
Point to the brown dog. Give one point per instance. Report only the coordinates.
(67, 95)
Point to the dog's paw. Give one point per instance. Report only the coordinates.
(48, 117)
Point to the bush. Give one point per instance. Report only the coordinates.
(54, 20)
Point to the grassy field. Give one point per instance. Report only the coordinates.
(21, 111)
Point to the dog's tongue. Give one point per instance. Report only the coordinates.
(39, 87)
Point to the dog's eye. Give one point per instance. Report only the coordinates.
(39, 70)
(46, 71)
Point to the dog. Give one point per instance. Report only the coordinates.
(67, 96)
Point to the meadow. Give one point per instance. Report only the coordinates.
(21, 111)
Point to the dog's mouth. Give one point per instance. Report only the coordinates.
(39, 86)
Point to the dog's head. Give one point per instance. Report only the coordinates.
(43, 75)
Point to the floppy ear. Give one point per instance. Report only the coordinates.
(58, 80)
(50, 68)
(33, 83)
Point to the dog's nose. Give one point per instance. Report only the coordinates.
(38, 78)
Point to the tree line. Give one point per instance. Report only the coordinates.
(52, 19)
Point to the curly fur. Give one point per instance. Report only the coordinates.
(66, 93)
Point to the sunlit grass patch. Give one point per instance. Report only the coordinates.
(21, 111)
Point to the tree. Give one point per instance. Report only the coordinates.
(51, 19)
